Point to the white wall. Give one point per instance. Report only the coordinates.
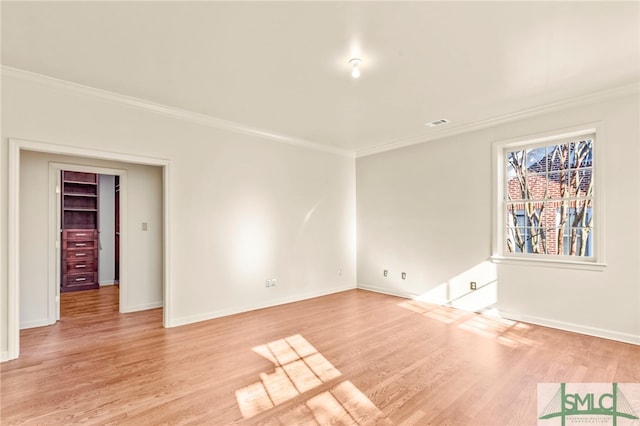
(106, 224)
(242, 209)
(144, 204)
(426, 210)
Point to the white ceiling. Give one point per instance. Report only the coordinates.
(283, 66)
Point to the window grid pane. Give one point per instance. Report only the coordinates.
(548, 201)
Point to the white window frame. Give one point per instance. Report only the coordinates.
(500, 254)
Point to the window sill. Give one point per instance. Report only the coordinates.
(550, 263)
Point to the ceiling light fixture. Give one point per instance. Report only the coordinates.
(355, 64)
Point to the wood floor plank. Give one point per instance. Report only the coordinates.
(354, 357)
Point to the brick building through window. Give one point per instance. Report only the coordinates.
(549, 199)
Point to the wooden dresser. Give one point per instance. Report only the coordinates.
(79, 231)
(79, 259)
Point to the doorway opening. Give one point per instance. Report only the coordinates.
(89, 241)
(85, 215)
(26, 243)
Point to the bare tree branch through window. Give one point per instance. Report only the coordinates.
(549, 199)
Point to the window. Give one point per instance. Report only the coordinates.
(546, 199)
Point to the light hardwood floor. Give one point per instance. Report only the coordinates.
(350, 358)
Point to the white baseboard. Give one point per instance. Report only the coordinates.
(103, 283)
(545, 322)
(4, 356)
(575, 328)
(34, 324)
(392, 292)
(254, 306)
(142, 307)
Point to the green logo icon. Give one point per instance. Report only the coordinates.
(612, 404)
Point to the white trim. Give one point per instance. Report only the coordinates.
(597, 262)
(55, 148)
(549, 263)
(177, 113)
(143, 307)
(13, 266)
(382, 290)
(13, 283)
(54, 228)
(123, 274)
(254, 306)
(106, 283)
(621, 91)
(574, 328)
(545, 322)
(167, 293)
(4, 356)
(35, 323)
(218, 123)
(54, 246)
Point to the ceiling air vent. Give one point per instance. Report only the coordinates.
(437, 123)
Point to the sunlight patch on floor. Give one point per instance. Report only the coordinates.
(444, 314)
(454, 303)
(507, 332)
(486, 323)
(447, 315)
(299, 369)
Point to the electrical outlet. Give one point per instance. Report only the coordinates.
(473, 285)
(385, 273)
(273, 282)
(404, 275)
(267, 283)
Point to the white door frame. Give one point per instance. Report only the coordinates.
(13, 267)
(55, 214)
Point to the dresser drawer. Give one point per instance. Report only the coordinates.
(71, 267)
(84, 245)
(82, 279)
(79, 234)
(79, 254)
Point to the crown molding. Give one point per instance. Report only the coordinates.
(591, 98)
(222, 124)
(177, 113)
